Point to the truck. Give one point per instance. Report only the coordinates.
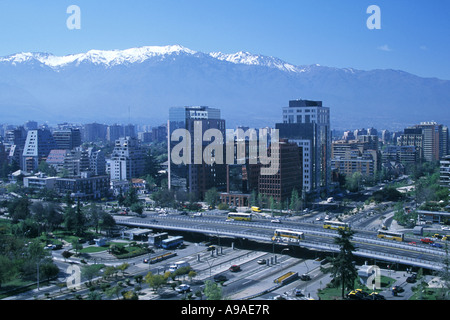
(178, 265)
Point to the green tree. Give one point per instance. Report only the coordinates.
(164, 198)
(123, 267)
(106, 221)
(253, 198)
(76, 246)
(354, 182)
(7, 269)
(48, 270)
(75, 220)
(94, 295)
(91, 271)
(212, 197)
(113, 291)
(19, 209)
(343, 268)
(296, 202)
(213, 291)
(155, 281)
(44, 167)
(137, 207)
(151, 165)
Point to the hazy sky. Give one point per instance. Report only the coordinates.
(414, 35)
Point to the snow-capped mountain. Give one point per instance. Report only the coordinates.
(250, 89)
(111, 58)
(100, 57)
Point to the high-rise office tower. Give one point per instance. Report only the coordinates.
(280, 185)
(197, 176)
(307, 123)
(114, 132)
(413, 137)
(67, 139)
(94, 132)
(430, 139)
(435, 140)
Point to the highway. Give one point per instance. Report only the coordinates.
(316, 237)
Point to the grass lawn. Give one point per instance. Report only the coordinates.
(94, 249)
(330, 293)
(429, 294)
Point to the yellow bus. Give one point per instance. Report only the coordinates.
(335, 225)
(256, 209)
(240, 216)
(383, 234)
(287, 235)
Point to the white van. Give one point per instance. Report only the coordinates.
(177, 265)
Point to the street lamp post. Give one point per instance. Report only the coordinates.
(281, 253)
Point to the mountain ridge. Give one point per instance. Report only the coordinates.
(102, 85)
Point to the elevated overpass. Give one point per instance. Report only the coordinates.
(316, 238)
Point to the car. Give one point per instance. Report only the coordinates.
(146, 260)
(275, 221)
(211, 248)
(436, 245)
(426, 240)
(413, 243)
(318, 219)
(376, 296)
(220, 278)
(397, 289)
(305, 277)
(182, 288)
(298, 293)
(262, 261)
(412, 278)
(354, 295)
(235, 268)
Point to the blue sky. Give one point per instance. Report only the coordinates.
(414, 35)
